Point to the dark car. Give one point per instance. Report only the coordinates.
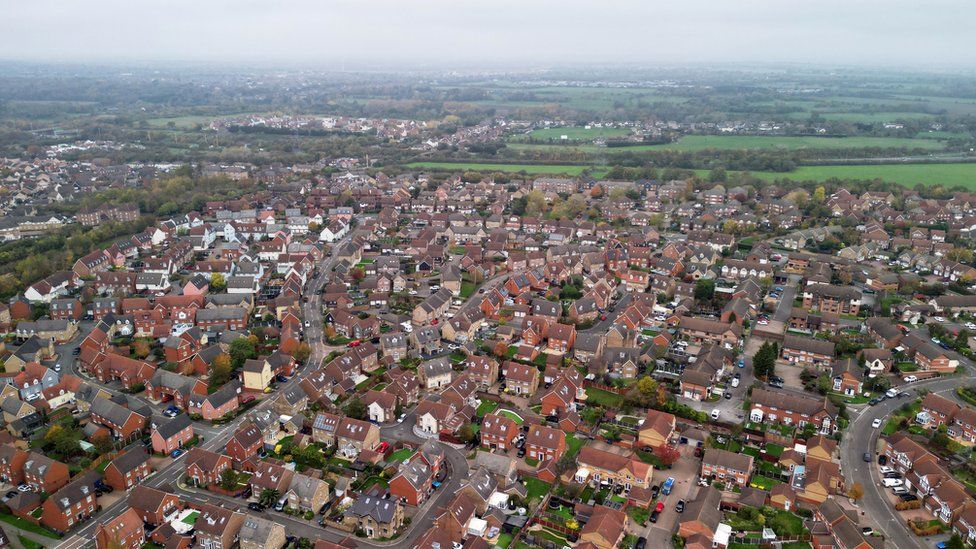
(908, 497)
(867, 457)
(654, 516)
(873, 401)
(882, 459)
(680, 506)
(655, 490)
(641, 543)
(255, 506)
(521, 452)
(728, 395)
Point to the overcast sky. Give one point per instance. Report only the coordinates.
(413, 33)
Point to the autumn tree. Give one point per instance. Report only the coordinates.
(241, 350)
(303, 352)
(667, 454)
(218, 282)
(856, 491)
(220, 370)
(501, 349)
(141, 348)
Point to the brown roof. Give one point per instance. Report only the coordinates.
(704, 508)
(544, 437)
(606, 522)
(497, 425)
(729, 460)
(659, 422)
(793, 401)
(808, 344)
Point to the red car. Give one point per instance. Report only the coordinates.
(381, 449)
(659, 507)
(354, 343)
(434, 322)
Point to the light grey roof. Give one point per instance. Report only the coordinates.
(381, 510)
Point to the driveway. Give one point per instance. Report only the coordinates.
(685, 472)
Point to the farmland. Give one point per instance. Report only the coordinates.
(751, 142)
(962, 174)
(527, 168)
(577, 133)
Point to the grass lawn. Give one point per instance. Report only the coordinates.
(402, 454)
(536, 488)
(191, 518)
(504, 540)
(962, 174)
(763, 483)
(29, 543)
(774, 449)
(467, 288)
(532, 462)
(639, 515)
(573, 445)
(29, 526)
(512, 415)
(603, 398)
(486, 407)
(786, 523)
(527, 168)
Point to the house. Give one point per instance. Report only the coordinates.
(380, 406)
(605, 463)
(268, 476)
(125, 530)
(562, 337)
(353, 436)
(605, 529)
(828, 298)
(432, 416)
(12, 464)
(807, 351)
(70, 505)
(726, 466)
(413, 483)
(204, 467)
(324, 428)
(307, 494)
(847, 376)
(792, 408)
(701, 330)
(245, 443)
(545, 443)
(904, 454)
(657, 430)
(256, 374)
(701, 516)
(261, 533)
(128, 470)
(168, 435)
(217, 527)
(153, 505)
(44, 473)
(498, 432)
(436, 373)
(121, 421)
(937, 411)
(376, 517)
(520, 379)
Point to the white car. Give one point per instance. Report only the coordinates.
(899, 490)
(715, 414)
(876, 423)
(884, 469)
(735, 382)
(940, 319)
(891, 482)
(910, 379)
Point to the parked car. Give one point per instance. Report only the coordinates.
(884, 470)
(876, 423)
(715, 414)
(867, 456)
(899, 490)
(735, 382)
(910, 379)
(680, 507)
(176, 453)
(255, 506)
(891, 482)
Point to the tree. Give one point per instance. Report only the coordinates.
(764, 361)
(303, 352)
(819, 195)
(217, 282)
(220, 370)
(466, 433)
(356, 409)
(103, 445)
(704, 290)
(241, 350)
(856, 491)
(268, 497)
(141, 348)
(667, 454)
(955, 542)
(228, 479)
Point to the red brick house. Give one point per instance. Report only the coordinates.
(244, 445)
(170, 435)
(71, 505)
(726, 466)
(792, 408)
(12, 464)
(545, 443)
(125, 530)
(126, 370)
(128, 470)
(123, 422)
(498, 432)
(45, 474)
(205, 467)
(562, 337)
(66, 309)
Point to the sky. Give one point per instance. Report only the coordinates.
(472, 33)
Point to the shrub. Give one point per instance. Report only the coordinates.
(908, 505)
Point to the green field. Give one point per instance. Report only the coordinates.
(950, 175)
(527, 168)
(723, 142)
(578, 133)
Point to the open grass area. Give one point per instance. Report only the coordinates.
(573, 445)
(603, 398)
(29, 543)
(28, 526)
(467, 288)
(504, 540)
(578, 133)
(963, 174)
(763, 483)
(515, 168)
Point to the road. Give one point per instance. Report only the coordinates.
(859, 438)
